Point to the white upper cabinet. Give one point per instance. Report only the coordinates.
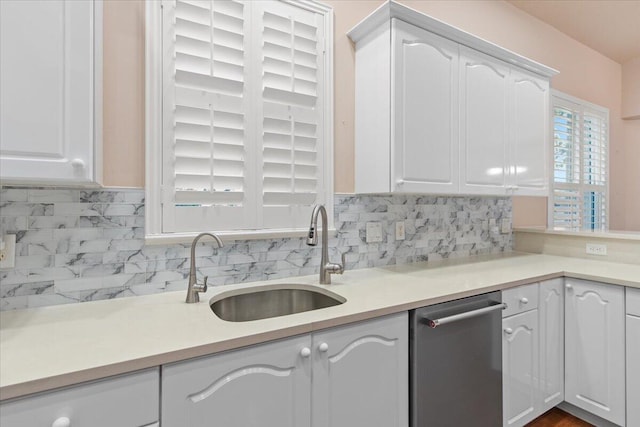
(595, 348)
(484, 83)
(425, 117)
(529, 134)
(439, 110)
(50, 85)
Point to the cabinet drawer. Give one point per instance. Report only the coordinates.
(520, 299)
(633, 301)
(126, 401)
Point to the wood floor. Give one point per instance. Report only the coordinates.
(558, 418)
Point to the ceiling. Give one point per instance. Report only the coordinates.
(611, 27)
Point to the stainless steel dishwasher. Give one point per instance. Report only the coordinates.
(456, 363)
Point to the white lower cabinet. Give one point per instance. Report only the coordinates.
(520, 361)
(633, 357)
(551, 325)
(595, 348)
(354, 375)
(533, 350)
(126, 401)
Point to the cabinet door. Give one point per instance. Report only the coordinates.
(520, 368)
(127, 400)
(529, 125)
(633, 356)
(551, 318)
(264, 385)
(483, 123)
(595, 348)
(424, 111)
(360, 376)
(47, 90)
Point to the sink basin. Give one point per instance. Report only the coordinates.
(271, 301)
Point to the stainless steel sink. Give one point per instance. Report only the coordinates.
(271, 301)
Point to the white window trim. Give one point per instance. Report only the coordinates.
(583, 104)
(153, 134)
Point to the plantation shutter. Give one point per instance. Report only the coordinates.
(290, 114)
(207, 147)
(580, 147)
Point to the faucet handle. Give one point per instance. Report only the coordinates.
(201, 287)
(343, 257)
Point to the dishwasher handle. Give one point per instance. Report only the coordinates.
(434, 323)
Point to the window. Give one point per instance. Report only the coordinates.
(239, 138)
(580, 165)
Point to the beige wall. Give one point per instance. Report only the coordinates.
(123, 91)
(583, 73)
(631, 89)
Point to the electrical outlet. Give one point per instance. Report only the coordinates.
(596, 249)
(8, 251)
(374, 232)
(505, 226)
(400, 230)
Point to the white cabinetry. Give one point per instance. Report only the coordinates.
(441, 111)
(50, 91)
(595, 348)
(484, 83)
(128, 400)
(551, 325)
(520, 355)
(533, 350)
(354, 375)
(528, 134)
(633, 357)
(425, 118)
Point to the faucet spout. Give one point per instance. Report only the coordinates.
(326, 268)
(195, 287)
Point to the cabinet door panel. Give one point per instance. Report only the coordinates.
(424, 121)
(529, 134)
(483, 123)
(520, 368)
(633, 370)
(551, 311)
(267, 385)
(47, 90)
(361, 380)
(595, 348)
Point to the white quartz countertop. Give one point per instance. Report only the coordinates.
(51, 347)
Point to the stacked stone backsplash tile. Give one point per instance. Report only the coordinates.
(76, 245)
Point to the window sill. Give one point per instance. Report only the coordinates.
(229, 236)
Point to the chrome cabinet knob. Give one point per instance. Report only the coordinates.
(524, 300)
(508, 331)
(305, 352)
(61, 422)
(569, 286)
(324, 347)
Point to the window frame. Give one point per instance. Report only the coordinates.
(154, 193)
(559, 98)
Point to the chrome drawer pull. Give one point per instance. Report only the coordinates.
(433, 323)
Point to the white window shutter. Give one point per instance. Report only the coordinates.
(580, 151)
(207, 145)
(290, 113)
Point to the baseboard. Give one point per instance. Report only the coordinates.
(586, 416)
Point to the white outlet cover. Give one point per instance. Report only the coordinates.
(374, 232)
(596, 249)
(9, 250)
(400, 230)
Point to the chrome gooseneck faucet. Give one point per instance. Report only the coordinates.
(194, 286)
(326, 268)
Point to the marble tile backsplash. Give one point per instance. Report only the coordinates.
(76, 245)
